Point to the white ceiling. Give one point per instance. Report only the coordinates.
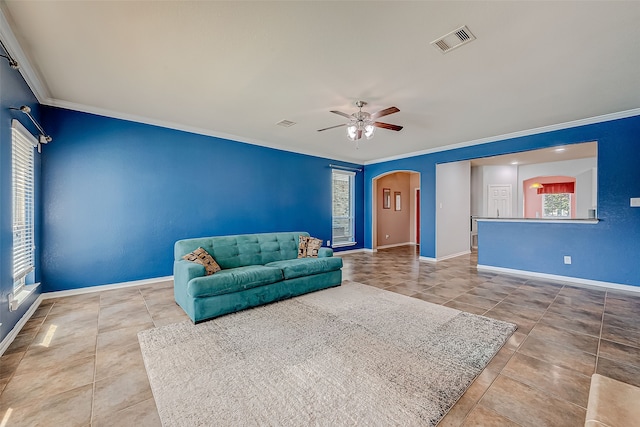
(234, 69)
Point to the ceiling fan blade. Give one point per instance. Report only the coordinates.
(384, 112)
(340, 113)
(332, 127)
(387, 126)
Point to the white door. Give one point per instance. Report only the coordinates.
(499, 204)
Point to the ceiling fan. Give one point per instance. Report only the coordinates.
(363, 123)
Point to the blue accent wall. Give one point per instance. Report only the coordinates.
(607, 251)
(118, 194)
(14, 92)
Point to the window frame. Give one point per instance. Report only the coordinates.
(351, 216)
(23, 145)
(544, 200)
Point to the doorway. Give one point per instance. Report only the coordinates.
(396, 211)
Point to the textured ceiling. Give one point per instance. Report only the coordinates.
(235, 69)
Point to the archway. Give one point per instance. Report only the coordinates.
(395, 209)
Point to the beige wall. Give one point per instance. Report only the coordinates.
(399, 225)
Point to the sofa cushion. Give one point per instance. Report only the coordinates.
(234, 280)
(299, 267)
(202, 257)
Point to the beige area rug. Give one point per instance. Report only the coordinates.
(341, 356)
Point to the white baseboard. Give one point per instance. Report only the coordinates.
(395, 245)
(576, 280)
(6, 342)
(100, 288)
(350, 251)
(467, 252)
(429, 259)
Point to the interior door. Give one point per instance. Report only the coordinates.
(499, 203)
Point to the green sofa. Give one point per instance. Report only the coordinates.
(256, 269)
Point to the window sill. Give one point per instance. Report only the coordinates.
(343, 245)
(17, 300)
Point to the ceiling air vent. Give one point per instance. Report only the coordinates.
(454, 39)
(286, 123)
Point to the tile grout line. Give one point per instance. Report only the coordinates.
(604, 308)
(146, 307)
(95, 361)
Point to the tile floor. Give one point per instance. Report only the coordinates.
(77, 361)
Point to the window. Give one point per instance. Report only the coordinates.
(556, 205)
(342, 208)
(22, 170)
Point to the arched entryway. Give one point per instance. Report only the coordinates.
(396, 209)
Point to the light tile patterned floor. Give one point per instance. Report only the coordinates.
(77, 361)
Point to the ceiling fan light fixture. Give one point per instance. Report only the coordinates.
(352, 131)
(362, 123)
(360, 127)
(369, 129)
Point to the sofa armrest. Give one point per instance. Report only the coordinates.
(184, 271)
(325, 252)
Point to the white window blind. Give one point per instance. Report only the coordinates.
(343, 232)
(22, 170)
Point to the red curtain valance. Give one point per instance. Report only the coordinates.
(557, 188)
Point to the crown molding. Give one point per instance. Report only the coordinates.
(27, 71)
(190, 129)
(518, 134)
(237, 138)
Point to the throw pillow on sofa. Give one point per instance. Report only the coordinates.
(302, 246)
(308, 247)
(313, 245)
(201, 256)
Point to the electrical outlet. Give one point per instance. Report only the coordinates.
(13, 303)
(386, 236)
(567, 259)
(328, 242)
